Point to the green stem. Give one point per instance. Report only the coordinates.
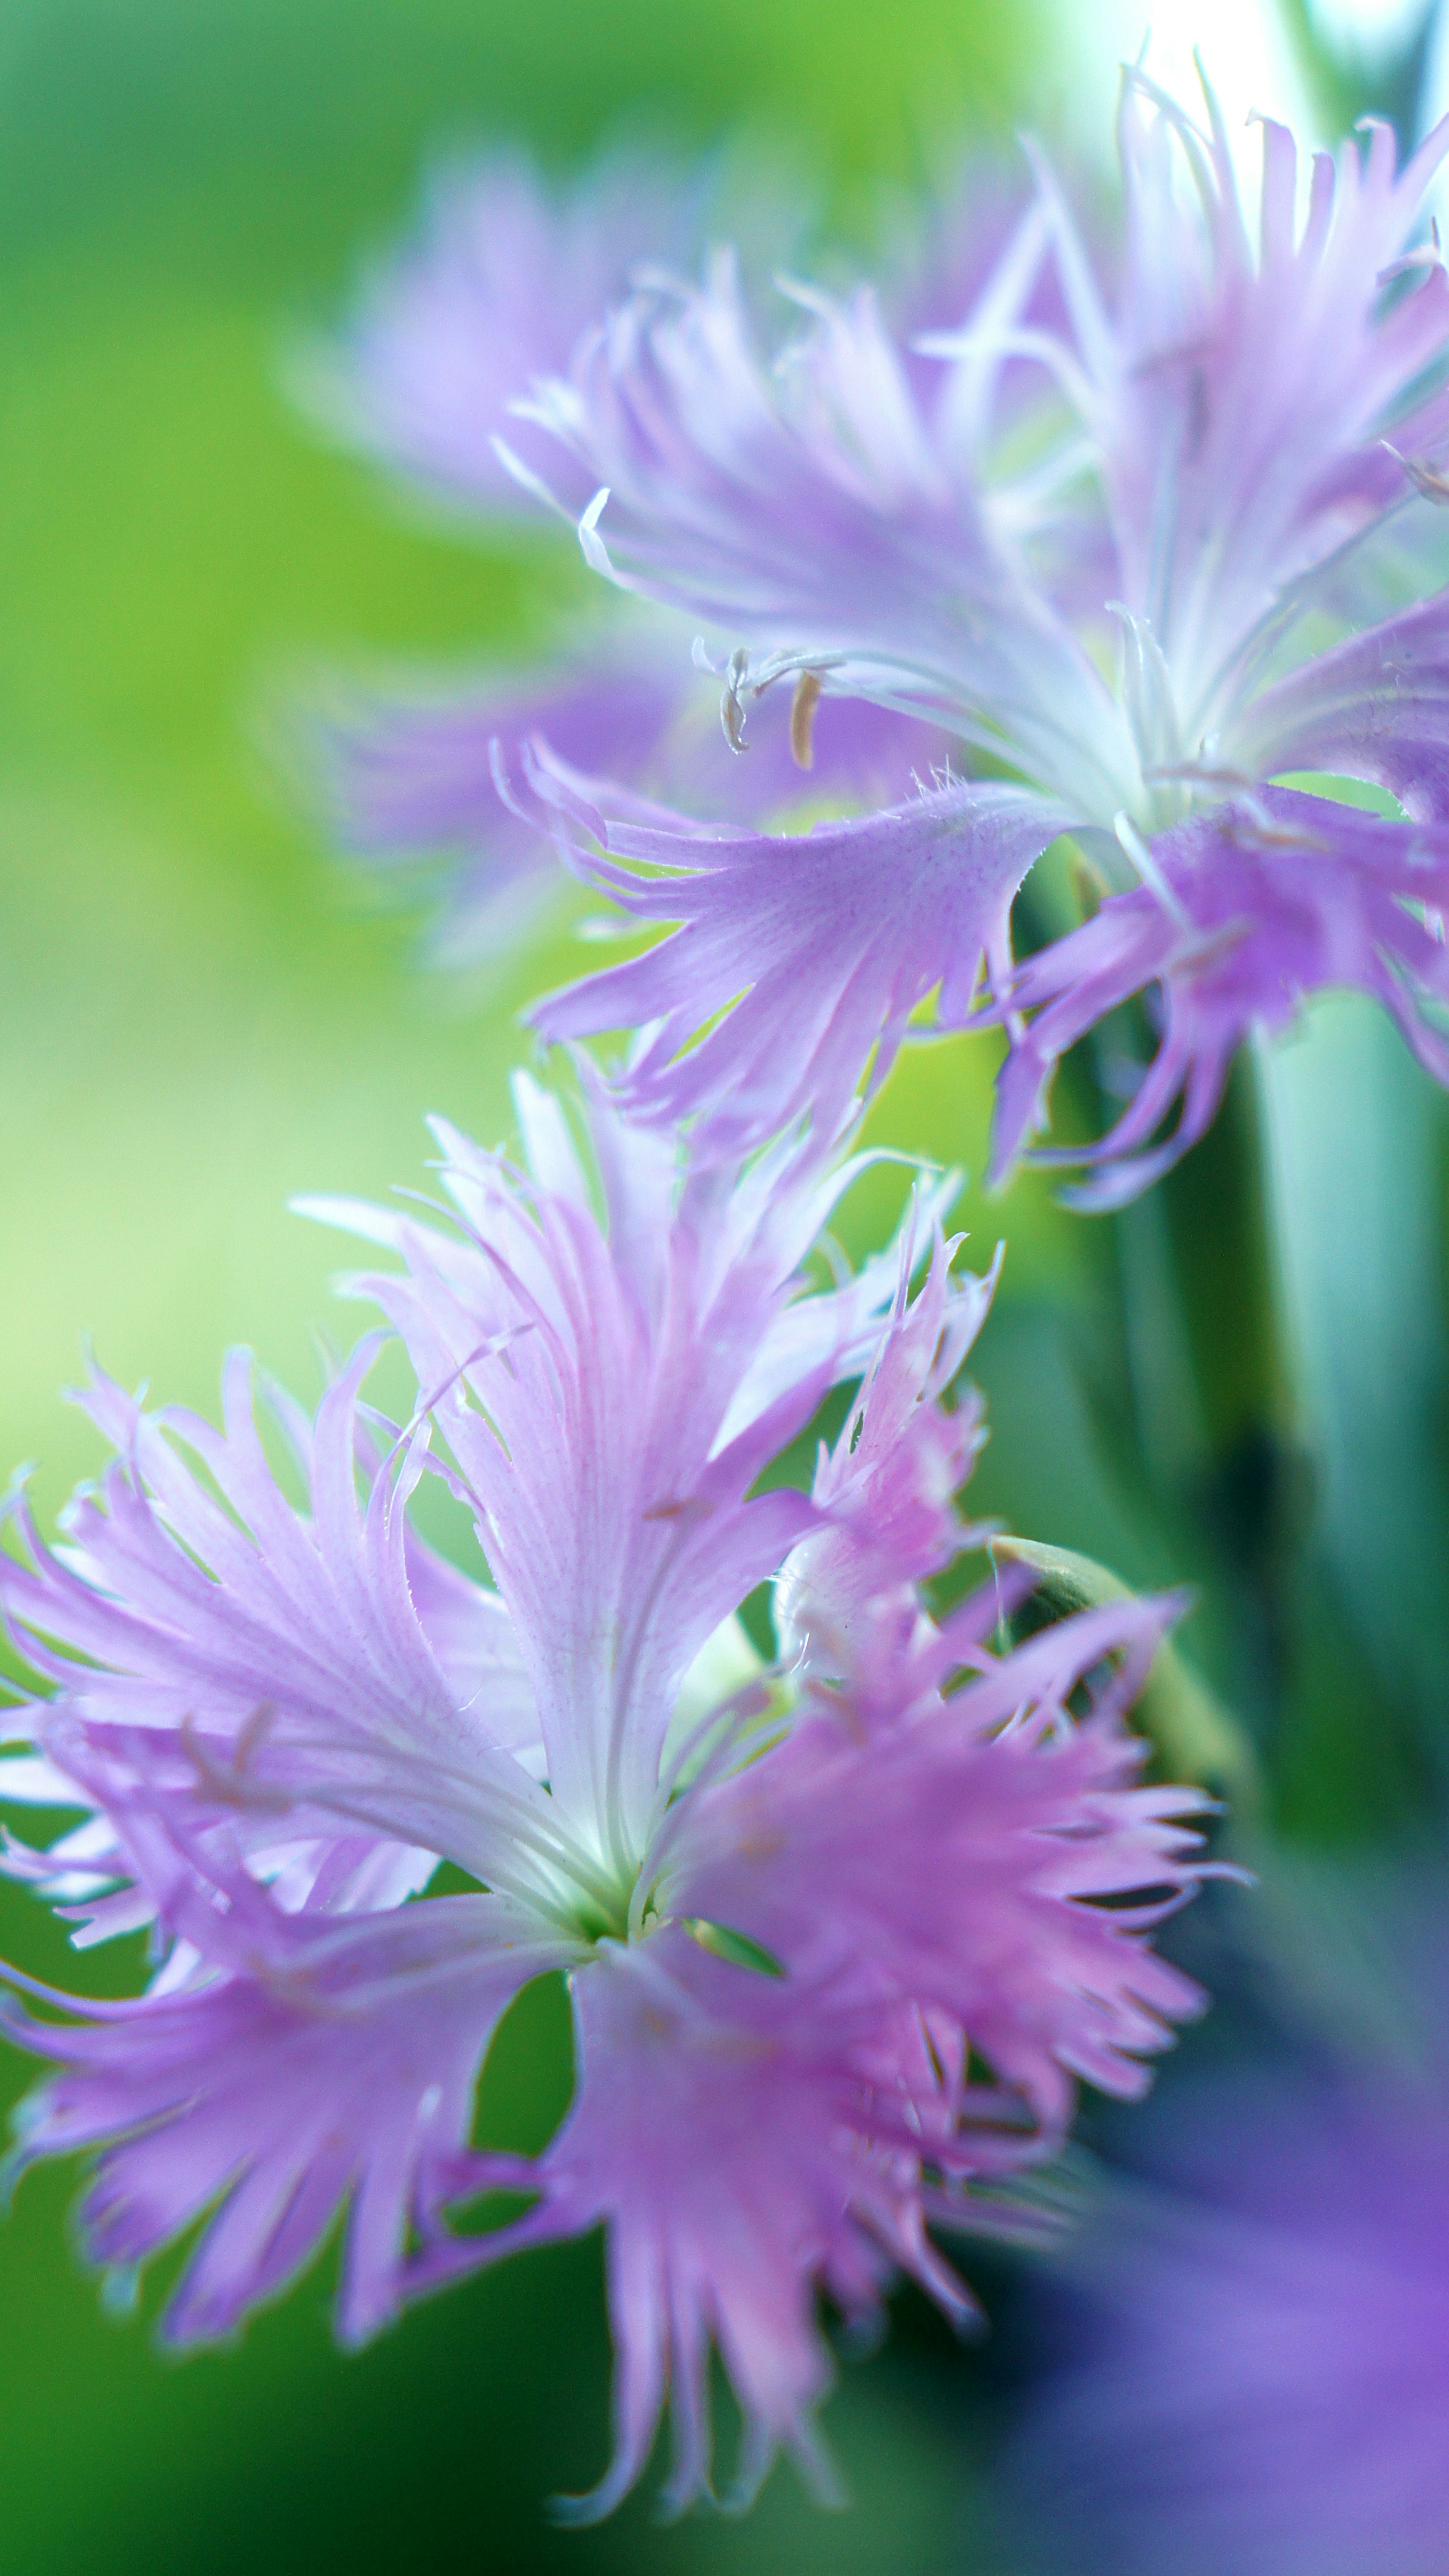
(1212, 1388)
(1220, 1250)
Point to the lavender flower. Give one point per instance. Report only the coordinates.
(781, 1914)
(1212, 489)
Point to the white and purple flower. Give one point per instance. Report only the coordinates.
(840, 1944)
(1196, 565)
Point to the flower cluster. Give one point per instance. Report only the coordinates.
(845, 1923)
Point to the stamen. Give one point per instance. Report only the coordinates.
(802, 719)
(731, 709)
(228, 1782)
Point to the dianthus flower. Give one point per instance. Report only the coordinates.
(1138, 603)
(839, 1945)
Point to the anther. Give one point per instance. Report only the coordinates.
(802, 719)
(731, 711)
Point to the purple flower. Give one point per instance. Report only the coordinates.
(1211, 491)
(781, 1913)
(1257, 2374)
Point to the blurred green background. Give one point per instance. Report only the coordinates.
(199, 1020)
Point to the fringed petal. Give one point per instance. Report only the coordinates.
(799, 959)
(321, 2070)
